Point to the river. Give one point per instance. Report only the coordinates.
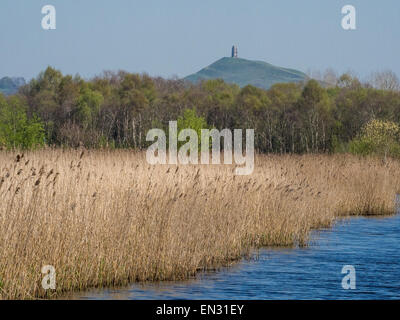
(371, 245)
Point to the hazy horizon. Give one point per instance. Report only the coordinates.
(178, 38)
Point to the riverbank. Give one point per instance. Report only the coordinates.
(313, 272)
(105, 218)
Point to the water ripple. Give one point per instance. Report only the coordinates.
(371, 245)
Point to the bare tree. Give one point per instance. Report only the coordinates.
(385, 80)
(314, 74)
(330, 77)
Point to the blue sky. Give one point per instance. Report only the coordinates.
(179, 37)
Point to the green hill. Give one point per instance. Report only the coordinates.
(10, 85)
(244, 72)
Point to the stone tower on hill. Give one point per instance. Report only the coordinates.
(234, 52)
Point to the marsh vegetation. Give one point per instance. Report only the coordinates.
(105, 218)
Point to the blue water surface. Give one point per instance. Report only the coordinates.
(371, 245)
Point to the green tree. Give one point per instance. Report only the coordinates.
(88, 106)
(190, 120)
(315, 117)
(219, 101)
(16, 130)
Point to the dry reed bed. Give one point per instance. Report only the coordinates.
(105, 218)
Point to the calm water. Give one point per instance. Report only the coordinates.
(371, 245)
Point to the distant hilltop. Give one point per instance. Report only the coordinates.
(10, 85)
(244, 72)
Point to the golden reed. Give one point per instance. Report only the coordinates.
(105, 218)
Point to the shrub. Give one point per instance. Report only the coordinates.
(16, 129)
(377, 137)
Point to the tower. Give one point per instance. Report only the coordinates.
(234, 52)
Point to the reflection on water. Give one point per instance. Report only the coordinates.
(371, 245)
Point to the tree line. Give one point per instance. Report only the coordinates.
(117, 109)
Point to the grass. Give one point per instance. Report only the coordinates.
(244, 72)
(105, 218)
